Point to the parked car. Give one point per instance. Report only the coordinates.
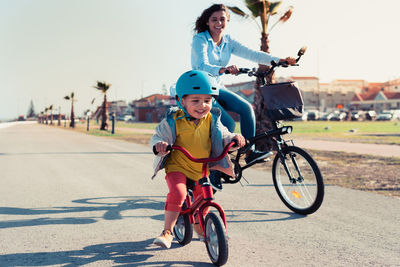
(129, 118)
(326, 116)
(370, 115)
(357, 115)
(339, 116)
(313, 115)
(388, 115)
(303, 117)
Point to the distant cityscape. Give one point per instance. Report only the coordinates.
(338, 95)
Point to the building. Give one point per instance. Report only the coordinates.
(378, 101)
(152, 108)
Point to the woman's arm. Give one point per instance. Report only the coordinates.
(256, 56)
(200, 57)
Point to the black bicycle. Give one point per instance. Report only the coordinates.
(296, 176)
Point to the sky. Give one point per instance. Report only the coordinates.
(50, 48)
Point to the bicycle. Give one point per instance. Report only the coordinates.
(296, 176)
(215, 234)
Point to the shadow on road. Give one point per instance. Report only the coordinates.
(242, 216)
(111, 206)
(123, 254)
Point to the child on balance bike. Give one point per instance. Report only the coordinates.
(196, 126)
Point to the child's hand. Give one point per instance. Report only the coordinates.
(240, 139)
(161, 148)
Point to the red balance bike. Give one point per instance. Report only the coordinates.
(215, 235)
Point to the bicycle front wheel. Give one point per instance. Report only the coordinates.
(216, 239)
(298, 180)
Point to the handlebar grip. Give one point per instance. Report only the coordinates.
(236, 142)
(241, 70)
(169, 148)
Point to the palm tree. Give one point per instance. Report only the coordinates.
(47, 118)
(103, 87)
(265, 10)
(71, 97)
(51, 114)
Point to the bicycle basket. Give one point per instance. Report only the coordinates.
(282, 101)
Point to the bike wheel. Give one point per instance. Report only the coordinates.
(298, 180)
(183, 229)
(216, 239)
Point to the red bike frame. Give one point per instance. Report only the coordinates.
(205, 200)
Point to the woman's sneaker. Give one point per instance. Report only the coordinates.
(164, 240)
(215, 180)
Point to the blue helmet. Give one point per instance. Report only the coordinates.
(196, 82)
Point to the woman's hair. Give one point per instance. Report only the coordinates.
(201, 22)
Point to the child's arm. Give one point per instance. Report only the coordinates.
(163, 135)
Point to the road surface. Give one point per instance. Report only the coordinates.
(70, 199)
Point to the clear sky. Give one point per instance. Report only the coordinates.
(50, 48)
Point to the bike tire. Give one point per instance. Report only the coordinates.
(216, 239)
(305, 194)
(183, 229)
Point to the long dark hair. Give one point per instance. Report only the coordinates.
(201, 22)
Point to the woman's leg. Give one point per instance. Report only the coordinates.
(226, 119)
(232, 102)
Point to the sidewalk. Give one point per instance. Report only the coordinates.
(359, 148)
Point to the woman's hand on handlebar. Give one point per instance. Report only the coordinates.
(230, 69)
(161, 148)
(288, 61)
(241, 141)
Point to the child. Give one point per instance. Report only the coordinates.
(196, 127)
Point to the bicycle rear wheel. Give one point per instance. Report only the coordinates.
(298, 180)
(183, 229)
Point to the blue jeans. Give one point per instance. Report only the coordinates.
(229, 101)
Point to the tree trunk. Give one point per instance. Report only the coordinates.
(72, 123)
(104, 116)
(263, 123)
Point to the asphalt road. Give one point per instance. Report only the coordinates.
(70, 199)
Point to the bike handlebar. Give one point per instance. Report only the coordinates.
(201, 160)
(274, 65)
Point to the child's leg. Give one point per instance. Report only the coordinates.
(176, 182)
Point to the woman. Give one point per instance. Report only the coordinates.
(211, 52)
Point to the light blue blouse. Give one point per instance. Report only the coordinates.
(207, 56)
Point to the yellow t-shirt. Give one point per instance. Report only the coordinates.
(196, 139)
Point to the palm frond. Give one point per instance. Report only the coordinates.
(103, 86)
(237, 11)
(255, 6)
(273, 7)
(287, 15)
